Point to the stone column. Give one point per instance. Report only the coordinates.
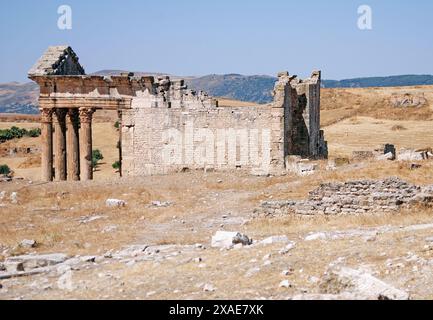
(72, 146)
(86, 169)
(47, 144)
(119, 114)
(60, 144)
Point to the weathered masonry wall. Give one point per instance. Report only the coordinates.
(175, 129)
(307, 138)
(220, 138)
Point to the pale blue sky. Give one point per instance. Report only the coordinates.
(198, 37)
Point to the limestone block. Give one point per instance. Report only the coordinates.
(225, 239)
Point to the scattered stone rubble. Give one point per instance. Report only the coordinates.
(408, 100)
(389, 152)
(354, 197)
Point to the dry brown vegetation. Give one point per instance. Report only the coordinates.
(340, 104)
(353, 119)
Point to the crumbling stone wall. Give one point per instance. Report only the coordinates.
(354, 197)
(290, 125)
(196, 118)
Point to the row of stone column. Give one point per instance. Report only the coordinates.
(72, 151)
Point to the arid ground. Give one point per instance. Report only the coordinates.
(158, 245)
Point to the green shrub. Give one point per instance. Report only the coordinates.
(117, 124)
(4, 169)
(96, 157)
(97, 154)
(116, 165)
(34, 133)
(16, 133)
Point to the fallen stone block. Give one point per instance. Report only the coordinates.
(226, 239)
(26, 243)
(115, 203)
(361, 285)
(412, 155)
(386, 156)
(10, 275)
(33, 261)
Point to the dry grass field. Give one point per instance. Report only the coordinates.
(72, 218)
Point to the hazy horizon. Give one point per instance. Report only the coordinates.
(196, 38)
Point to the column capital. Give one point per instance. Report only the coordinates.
(46, 115)
(86, 114)
(60, 115)
(73, 115)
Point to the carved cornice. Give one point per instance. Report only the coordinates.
(81, 102)
(46, 115)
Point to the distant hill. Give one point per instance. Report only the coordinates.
(235, 86)
(19, 98)
(22, 98)
(392, 81)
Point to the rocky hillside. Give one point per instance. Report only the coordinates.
(22, 98)
(18, 98)
(235, 86)
(392, 81)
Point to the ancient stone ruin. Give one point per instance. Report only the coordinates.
(166, 127)
(354, 197)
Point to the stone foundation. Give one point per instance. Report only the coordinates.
(354, 197)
